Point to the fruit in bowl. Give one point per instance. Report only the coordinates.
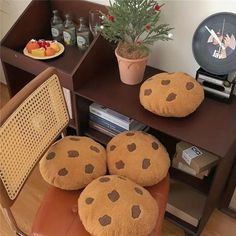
(43, 48)
(31, 45)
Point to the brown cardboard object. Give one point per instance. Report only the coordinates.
(203, 162)
(180, 164)
(190, 210)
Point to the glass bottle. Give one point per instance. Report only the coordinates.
(69, 31)
(56, 26)
(82, 34)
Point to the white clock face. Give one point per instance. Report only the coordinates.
(214, 43)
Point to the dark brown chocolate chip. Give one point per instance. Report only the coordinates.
(155, 145)
(104, 179)
(113, 196)
(95, 149)
(89, 200)
(147, 92)
(75, 139)
(138, 190)
(189, 86)
(50, 155)
(63, 172)
(73, 153)
(130, 134)
(120, 165)
(146, 163)
(104, 220)
(171, 97)
(165, 81)
(131, 147)
(112, 147)
(135, 211)
(89, 169)
(121, 177)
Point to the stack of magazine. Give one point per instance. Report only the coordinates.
(111, 122)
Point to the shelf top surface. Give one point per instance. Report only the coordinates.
(212, 126)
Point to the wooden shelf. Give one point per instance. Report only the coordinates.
(93, 76)
(188, 210)
(203, 128)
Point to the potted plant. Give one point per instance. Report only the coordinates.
(134, 26)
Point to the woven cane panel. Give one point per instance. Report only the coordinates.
(29, 131)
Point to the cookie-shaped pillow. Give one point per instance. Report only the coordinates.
(114, 205)
(171, 94)
(138, 156)
(73, 162)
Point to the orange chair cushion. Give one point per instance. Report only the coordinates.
(139, 156)
(73, 162)
(56, 216)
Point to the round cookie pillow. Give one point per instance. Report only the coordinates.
(138, 156)
(114, 205)
(73, 162)
(171, 94)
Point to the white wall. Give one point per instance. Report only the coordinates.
(10, 10)
(183, 15)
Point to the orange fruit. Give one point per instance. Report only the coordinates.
(50, 51)
(32, 44)
(55, 46)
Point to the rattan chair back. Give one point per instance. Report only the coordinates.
(30, 122)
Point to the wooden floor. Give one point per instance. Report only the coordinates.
(26, 206)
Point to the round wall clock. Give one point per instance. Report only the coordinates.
(214, 43)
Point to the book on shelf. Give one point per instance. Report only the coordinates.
(114, 126)
(180, 164)
(102, 129)
(189, 210)
(106, 123)
(112, 116)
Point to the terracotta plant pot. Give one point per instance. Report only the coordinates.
(131, 70)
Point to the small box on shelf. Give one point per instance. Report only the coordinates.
(179, 163)
(196, 158)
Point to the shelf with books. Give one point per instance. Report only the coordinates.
(98, 136)
(111, 122)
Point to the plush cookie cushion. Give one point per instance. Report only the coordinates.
(138, 156)
(114, 205)
(73, 162)
(171, 94)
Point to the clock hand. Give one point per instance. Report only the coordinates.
(213, 34)
(222, 33)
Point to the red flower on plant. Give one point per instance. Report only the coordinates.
(157, 8)
(148, 27)
(111, 18)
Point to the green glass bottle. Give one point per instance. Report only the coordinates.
(69, 31)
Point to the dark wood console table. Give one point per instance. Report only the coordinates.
(92, 76)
